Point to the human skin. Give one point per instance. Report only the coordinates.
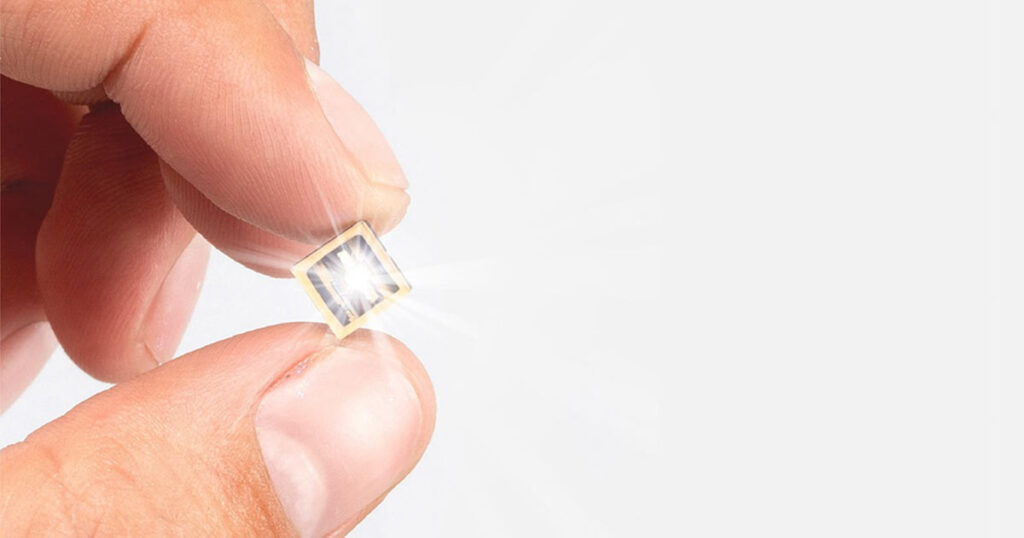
(127, 128)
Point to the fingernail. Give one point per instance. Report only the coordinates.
(172, 305)
(356, 129)
(24, 352)
(337, 433)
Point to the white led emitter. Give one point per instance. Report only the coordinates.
(351, 278)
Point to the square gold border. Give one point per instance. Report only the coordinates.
(301, 270)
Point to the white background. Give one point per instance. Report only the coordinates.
(732, 268)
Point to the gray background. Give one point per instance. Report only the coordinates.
(732, 268)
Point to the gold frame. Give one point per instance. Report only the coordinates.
(302, 268)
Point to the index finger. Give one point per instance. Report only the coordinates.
(220, 92)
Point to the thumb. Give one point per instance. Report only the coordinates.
(284, 430)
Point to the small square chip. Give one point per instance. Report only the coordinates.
(351, 278)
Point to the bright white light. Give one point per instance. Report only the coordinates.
(359, 278)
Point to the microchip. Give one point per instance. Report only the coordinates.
(351, 278)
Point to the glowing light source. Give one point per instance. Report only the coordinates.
(359, 279)
(351, 278)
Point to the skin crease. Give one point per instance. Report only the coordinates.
(170, 450)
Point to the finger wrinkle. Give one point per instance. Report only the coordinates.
(110, 79)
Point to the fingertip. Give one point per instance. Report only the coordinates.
(391, 348)
(342, 428)
(356, 130)
(389, 207)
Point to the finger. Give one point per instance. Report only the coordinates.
(119, 267)
(223, 96)
(295, 16)
(35, 130)
(251, 245)
(272, 432)
(247, 244)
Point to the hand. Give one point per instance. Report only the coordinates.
(208, 116)
(270, 433)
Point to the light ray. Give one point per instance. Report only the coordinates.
(262, 259)
(415, 310)
(327, 209)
